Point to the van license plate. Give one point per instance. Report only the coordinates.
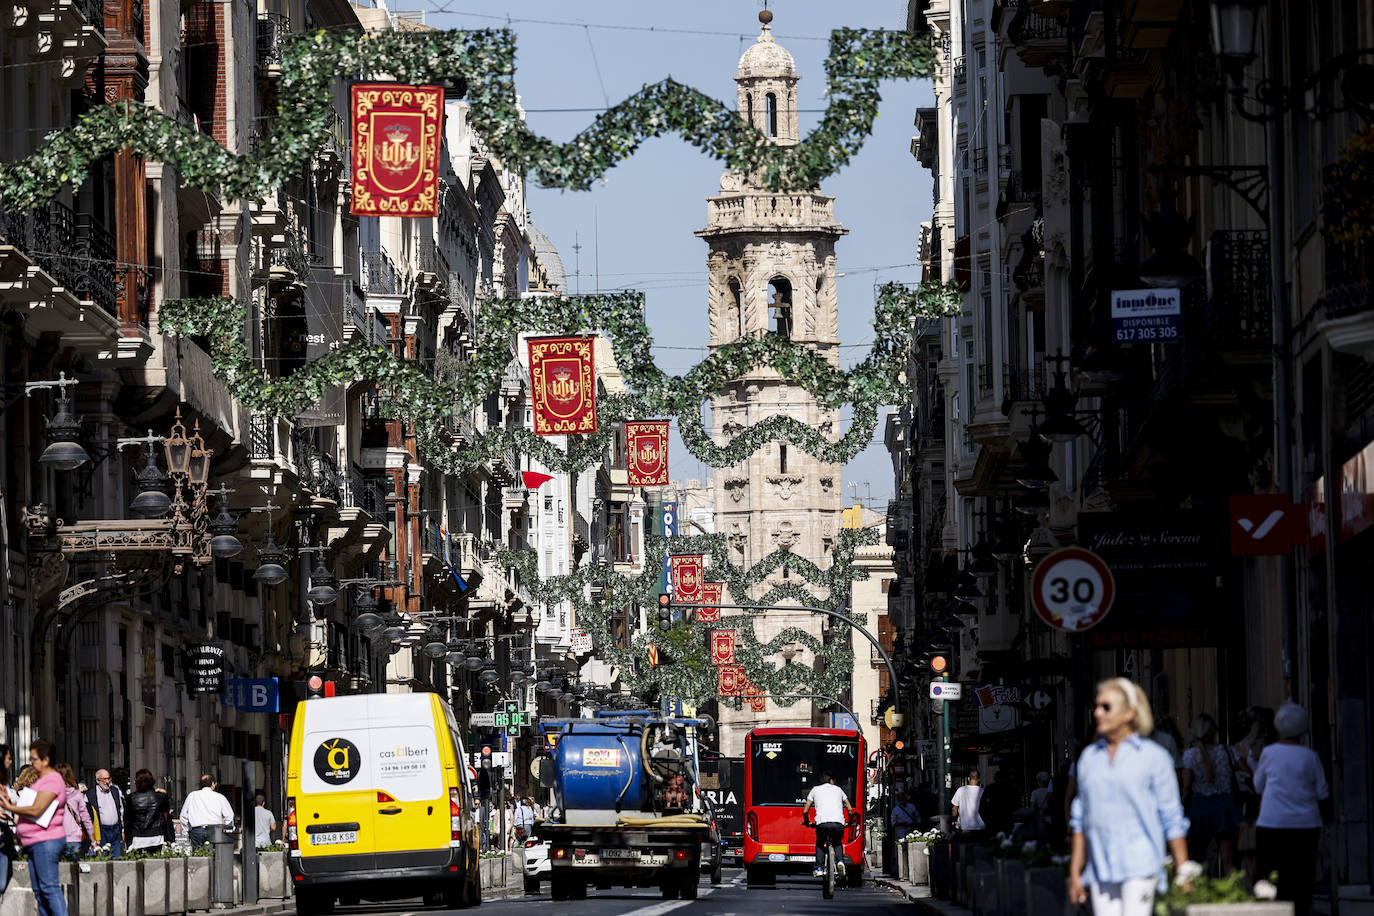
(334, 838)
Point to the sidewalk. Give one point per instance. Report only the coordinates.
(919, 894)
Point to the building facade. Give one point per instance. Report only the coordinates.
(1081, 152)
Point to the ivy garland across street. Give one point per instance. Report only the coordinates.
(409, 392)
(485, 59)
(688, 678)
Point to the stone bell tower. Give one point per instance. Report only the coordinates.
(772, 271)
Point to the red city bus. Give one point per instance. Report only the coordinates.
(780, 767)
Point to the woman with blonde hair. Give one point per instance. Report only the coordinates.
(1127, 808)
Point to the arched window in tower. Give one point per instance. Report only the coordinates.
(737, 301)
(780, 307)
(749, 107)
(770, 110)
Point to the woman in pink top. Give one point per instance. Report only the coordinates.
(78, 814)
(43, 836)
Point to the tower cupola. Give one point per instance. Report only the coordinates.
(767, 86)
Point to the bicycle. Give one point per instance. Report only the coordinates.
(835, 838)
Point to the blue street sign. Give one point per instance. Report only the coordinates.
(669, 530)
(843, 720)
(253, 694)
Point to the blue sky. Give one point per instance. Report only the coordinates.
(636, 230)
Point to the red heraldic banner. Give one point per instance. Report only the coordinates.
(758, 699)
(646, 450)
(730, 680)
(708, 612)
(722, 647)
(397, 131)
(563, 385)
(689, 576)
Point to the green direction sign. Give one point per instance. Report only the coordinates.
(512, 718)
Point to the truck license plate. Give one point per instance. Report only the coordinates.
(619, 853)
(333, 838)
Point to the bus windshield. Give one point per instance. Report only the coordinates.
(784, 770)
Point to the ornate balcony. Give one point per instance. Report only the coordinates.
(1037, 38)
(381, 277)
(1239, 305)
(272, 31)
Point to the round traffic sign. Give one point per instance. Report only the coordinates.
(1072, 589)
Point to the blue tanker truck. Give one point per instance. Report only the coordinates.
(627, 808)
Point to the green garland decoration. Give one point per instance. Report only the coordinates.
(859, 59)
(411, 393)
(682, 678)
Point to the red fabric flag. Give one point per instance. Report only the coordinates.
(533, 480)
(562, 385)
(708, 612)
(688, 577)
(646, 452)
(729, 680)
(758, 698)
(722, 647)
(397, 131)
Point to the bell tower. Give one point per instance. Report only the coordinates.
(771, 263)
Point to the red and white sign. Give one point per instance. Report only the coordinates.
(689, 575)
(722, 647)
(581, 641)
(1264, 525)
(709, 612)
(397, 131)
(1072, 589)
(563, 385)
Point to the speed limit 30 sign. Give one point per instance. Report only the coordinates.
(1072, 589)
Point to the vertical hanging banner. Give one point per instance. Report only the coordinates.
(562, 385)
(708, 612)
(722, 647)
(646, 452)
(689, 575)
(730, 680)
(397, 130)
(758, 698)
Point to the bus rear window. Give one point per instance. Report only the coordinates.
(783, 770)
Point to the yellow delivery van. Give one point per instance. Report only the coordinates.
(379, 803)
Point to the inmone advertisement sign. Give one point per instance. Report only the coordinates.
(1165, 565)
(1146, 315)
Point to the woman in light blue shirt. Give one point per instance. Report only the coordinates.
(1126, 809)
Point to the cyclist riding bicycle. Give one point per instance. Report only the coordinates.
(832, 814)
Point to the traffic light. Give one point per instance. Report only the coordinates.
(939, 664)
(316, 686)
(665, 612)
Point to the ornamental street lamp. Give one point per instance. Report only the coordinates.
(64, 451)
(224, 527)
(435, 645)
(322, 590)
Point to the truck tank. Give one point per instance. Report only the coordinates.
(598, 774)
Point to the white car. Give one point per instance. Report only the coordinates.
(536, 863)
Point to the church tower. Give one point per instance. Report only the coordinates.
(772, 271)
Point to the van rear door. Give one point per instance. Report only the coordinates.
(411, 813)
(337, 802)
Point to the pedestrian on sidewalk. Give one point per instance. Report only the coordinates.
(42, 828)
(905, 817)
(264, 822)
(106, 804)
(522, 819)
(78, 820)
(965, 804)
(146, 814)
(8, 851)
(1294, 802)
(1125, 809)
(204, 810)
(1209, 792)
(1256, 723)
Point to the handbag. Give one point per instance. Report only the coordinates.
(85, 834)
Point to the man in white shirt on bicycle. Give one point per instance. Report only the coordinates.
(832, 815)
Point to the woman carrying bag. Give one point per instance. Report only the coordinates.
(78, 819)
(1209, 791)
(42, 829)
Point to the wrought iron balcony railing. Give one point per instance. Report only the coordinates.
(1239, 304)
(72, 248)
(272, 31)
(262, 437)
(380, 275)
